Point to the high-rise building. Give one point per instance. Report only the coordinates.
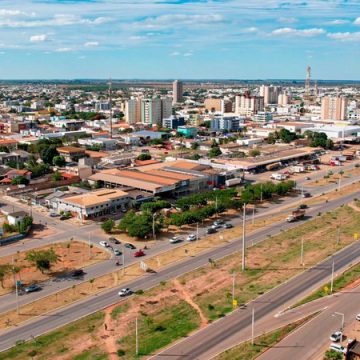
(283, 99)
(247, 105)
(334, 108)
(133, 111)
(177, 92)
(218, 105)
(155, 109)
(270, 94)
(230, 123)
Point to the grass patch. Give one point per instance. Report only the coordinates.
(119, 310)
(169, 323)
(247, 351)
(346, 278)
(93, 354)
(55, 343)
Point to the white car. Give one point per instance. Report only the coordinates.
(358, 317)
(338, 348)
(336, 336)
(175, 240)
(191, 237)
(124, 292)
(104, 244)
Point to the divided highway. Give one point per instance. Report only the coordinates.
(213, 337)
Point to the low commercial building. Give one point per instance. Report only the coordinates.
(95, 203)
(173, 122)
(71, 153)
(228, 123)
(187, 131)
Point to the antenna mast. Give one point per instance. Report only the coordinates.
(307, 83)
(110, 106)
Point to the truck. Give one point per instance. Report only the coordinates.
(278, 176)
(234, 181)
(296, 215)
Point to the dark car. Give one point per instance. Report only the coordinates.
(306, 195)
(303, 206)
(32, 288)
(63, 217)
(114, 240)
(228, 226)
(77, 273)
(130, 246)
(211, 231)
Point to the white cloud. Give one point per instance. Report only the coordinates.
(249, 30)
(345, 36)
(7, 12)
(175, 53)
(179, 20)
(287, 20)
(187, 54)
(39, 38)
(357, 21)
(338, 22)
(91, 44)
(296, 32)
(64, 49)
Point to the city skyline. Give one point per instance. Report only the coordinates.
(169, 39)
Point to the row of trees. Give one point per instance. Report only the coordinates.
(22, 227)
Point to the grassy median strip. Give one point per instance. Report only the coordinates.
(249, 351)
(340, 282)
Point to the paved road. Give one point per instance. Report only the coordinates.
(312, 340)
(269, 302)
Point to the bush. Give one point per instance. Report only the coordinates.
(139, 292)
(121, 352)
(108, 225)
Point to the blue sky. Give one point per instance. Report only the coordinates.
(238, 39)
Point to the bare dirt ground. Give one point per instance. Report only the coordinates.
(72, 254)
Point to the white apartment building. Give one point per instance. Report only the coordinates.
(270, 94)
(247, 105)
(133, 111)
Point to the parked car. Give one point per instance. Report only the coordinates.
(358, 317)
(337, 347)
(104, 244)
(336, 336)
(63, 217)
(32, 288)
(215, 227)
(308, 178)
(306, 195)
(53, 214)
(139, 253)
(117, 252)
(125, 292)
(77, 273)
(114, 240)
(218, 222)
(130, 246)
(211, 230)
(302, 206)
(175, 240)
(228, 226)
(191, 237)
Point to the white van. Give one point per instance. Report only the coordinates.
(338, 348)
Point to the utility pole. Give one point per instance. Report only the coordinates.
(233, 287)
(16, 287)
(123, 260)
(136, 337)
(332, 277)
(338, 235)
(252, 325)
(243, 238)
(110, 106)
(261, 193)
(89, 245)
(197, 231)
(339, 184)
(153, 226)
(253, 215)
(302, 253)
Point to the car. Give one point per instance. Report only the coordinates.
(63, 217)
(130, 246)
(114, 240)
(77, 273)
(218, 222)
(175, 240)
(228, 226)
(117, 252)
(336, 336)
(125, 292)
(211, 230)
(306, 195)
(32, 288)
(104, 244)
(191, 237)
(338, 348)
(53, 214)
(302, 206)
(124, 210)
(215, 227)
(308, 178)
(139, 253)
(358, 317)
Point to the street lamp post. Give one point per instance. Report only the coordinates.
(233, 287)
(252, 325)
(153, 225)
(302, 253)
(332, 277)
(342, 322)
(243, 238)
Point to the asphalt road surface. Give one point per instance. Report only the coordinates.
(212, 337)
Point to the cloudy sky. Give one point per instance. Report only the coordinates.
(237, 39)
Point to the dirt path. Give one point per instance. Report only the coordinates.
(187, 297)
(354, 207)
(107, 334)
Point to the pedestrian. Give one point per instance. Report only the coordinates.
(105, 325)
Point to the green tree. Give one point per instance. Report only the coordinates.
(333, 355)
(287, 136)
(214, 152)
(59, 161)
(42, 259)
(4, 271)
(194, 145)
(47, 154)
(4, 149)
(254, 152)
(56, 176)
(144, 156)
(108, 225)
(20, 180)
